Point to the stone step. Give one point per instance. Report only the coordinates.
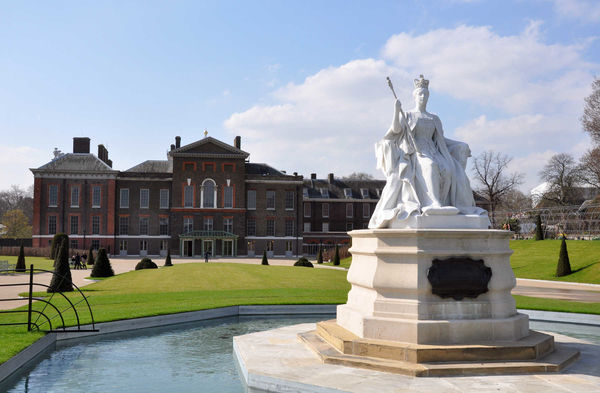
(533, 347)
(553, 362)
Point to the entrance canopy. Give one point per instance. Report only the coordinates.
(207, 243)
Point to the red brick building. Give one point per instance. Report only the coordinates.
(204, 198)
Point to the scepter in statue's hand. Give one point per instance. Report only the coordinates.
(398, 105)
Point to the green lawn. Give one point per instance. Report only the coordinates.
(189, 287)
(538, 260)
(38, 262)
(345, 262)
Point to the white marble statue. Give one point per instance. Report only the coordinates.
(425, 171)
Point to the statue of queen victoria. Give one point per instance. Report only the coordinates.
(425, 172)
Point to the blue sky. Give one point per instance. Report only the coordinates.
(303, 83)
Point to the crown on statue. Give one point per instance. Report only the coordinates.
(421, 82)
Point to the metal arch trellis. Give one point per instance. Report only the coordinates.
(47, 303)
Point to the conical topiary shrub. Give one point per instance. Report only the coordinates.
(168, 258)
(56, 242)
(61, 279)
(336, 257)
(539, 231)
(564, 266)
(90, 259)
(102, 266)
(264, 261)
(320, 256)
(21, 261)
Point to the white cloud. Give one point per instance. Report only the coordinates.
(517, 73)
(15, 162)
(529, 93)
(581, 10)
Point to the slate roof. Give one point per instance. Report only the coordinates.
(76, 162)
(152, 166)
(262, 169)
(336, 189)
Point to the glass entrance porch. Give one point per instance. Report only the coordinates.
(216, 243)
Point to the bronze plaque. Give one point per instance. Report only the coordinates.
(459, 277)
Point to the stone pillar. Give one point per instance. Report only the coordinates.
(391, 296)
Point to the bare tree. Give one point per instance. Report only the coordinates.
(589, 168)
(358, 176)
(591, 112)
(495, 184)
(16, 198)
(561, 173)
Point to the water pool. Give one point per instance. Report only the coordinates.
(182, 358)
(195, 357)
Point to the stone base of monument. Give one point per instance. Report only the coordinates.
(534, 353)
(433, 302)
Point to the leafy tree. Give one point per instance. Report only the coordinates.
(561, 174)
(564, 266)
(168, 259)
(336, 257)
(17, 224)
(494, 183)
(21, 260)
(102, 267)
(61, 279)
(56, 242)
(264, 258)
(320, 256)
(591, 112)
(539, 231)
(90, 259)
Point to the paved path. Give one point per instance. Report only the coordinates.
(534, 288)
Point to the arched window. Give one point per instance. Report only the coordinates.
(209, 193)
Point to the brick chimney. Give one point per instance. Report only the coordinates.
(177, 142)
(330, 178)
(237, 142)
(81, 145)
(313, 176)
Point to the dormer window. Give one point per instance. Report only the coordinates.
(378, 192)
(305, 192)
(364, 192)
(347, 193)
(324, 193)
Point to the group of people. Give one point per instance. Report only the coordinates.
(79, 261)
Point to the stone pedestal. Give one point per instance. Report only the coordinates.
(391, 297)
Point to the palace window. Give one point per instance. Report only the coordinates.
(366, 210)
(144, 225)
(325, 210)
(228, 225)
(349, 210)
(95, 244)
(143, 245)
(324, 193)
(52, 225)
(270, 200)
(349, 226)
(347, 193)
(188, 196)
(123, 245)
(74, 225)
(289, 200)
(75, 196)
(209, 190)
(96, 196)
(124, 225)
(270, 227)
(364, 192)
(124, 203)
(188, 224)
(163, 226)
(164, 198)
(52, 195)
(307, 227)
(74, 244)
(289, 227)
(144, 198)
(251, 200)
(228, 197)
(95, 225)
(307, 209)
(208, 224)
(325, 227)
(251, 226)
